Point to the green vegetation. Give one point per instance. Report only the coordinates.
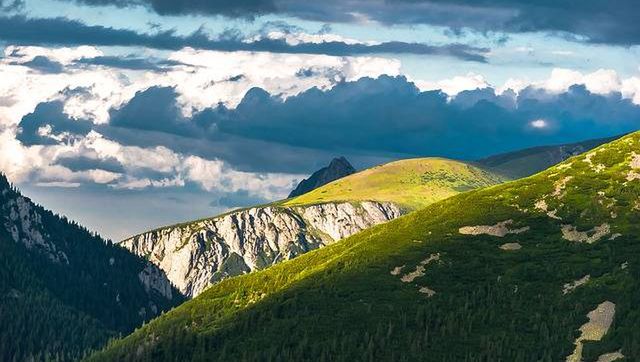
(523, 163)
(347, 301)
(54, 311)
(412, 183)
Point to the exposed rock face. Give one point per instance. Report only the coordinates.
(338, 168)
(24, 223)
(199, 254)
(500, 229)
(23, 220)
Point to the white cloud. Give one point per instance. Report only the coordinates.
(602, 81)
(454, 85)
(215, 175)
(631, 89)
(211, 83)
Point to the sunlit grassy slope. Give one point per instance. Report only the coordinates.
(411, 183)
(371, 296)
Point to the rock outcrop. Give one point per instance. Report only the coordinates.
(338, 168)
(201, 253)
(25, 223)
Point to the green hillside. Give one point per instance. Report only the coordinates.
(506, 273)
(411, 183)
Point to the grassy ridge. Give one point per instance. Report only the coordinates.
(344, 303)
(411, 183)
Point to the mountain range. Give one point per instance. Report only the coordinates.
(486, 275)
(424, 255)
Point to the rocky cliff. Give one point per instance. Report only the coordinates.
(201, 253)
(23, 220)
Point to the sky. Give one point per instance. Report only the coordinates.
(127, 115)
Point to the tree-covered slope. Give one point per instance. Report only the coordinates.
(65, 291)
(411, 183)
(540, 269)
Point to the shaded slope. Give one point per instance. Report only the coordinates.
(63, 290)
(411, 183)
(529, 161)
(338, 168)
(371, 297)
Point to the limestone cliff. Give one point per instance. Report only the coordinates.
(25, 223)
(198, 254)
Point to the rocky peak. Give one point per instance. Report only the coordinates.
(339, 167)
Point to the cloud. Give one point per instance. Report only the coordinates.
(154, 109)
(129, 62)
(358, 116)
(455, 85)
(98, 93)
(20, 30)
(84, 163)
(597, 21)
(42, 64)
(391, 115)
(231, 8)
(48, 125)
(11, 5)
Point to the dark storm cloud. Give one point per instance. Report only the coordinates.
(369, 117)
(154, 109)
(42, 64)
(50, 115)
(20, 30)
(231, 8)
(601, 21)
(391, 115)
(83, 163)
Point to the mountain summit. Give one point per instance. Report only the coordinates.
(338, 168)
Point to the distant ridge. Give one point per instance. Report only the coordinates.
(338, 168)
(526, 162)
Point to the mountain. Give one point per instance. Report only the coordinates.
(338, 168)
(545, 268)
(196, 254)
(529, 161)
(411, 183)
(65, 291)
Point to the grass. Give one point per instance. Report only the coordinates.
(411, 183)
(341, 303)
